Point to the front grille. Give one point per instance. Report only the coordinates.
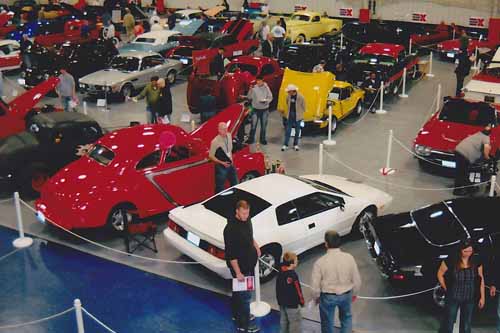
(441, 158)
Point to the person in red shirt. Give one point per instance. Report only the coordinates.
(138, 29)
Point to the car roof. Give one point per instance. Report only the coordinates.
(387, 49)
(306, 12)
(52, 119)
(137, 54)
(158, 34)
(276, 188)
(252, 60)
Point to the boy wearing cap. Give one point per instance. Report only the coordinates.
(289, 295)
(294, 114)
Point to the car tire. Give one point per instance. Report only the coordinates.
(171, 77)
(248, 176)
(32, 179)
(300, 39)
(119, 218)
(335, 125)
(366, 217)
(358, 111)
(127, 90)
(271, 254)
(395, 88)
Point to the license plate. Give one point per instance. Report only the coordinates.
(237, 53)
(449, 164)
(21, 82)
(40, 217)
(450, 55)
(193, 238)
(184, 61)
(376, 247)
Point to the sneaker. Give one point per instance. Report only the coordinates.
(251, 329)
(284, 148)
(252, 318)
(296, 148)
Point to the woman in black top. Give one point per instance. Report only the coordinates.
(461, 276)
(164, 105)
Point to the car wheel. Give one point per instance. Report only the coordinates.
(300, 39)
(171, 77)
(248, 176)
(359, 109)
(439, 296)
(395, 88)
(119, 218)
(127, 90)
(268, 262)
(33, 178)
(362, 222)
(335, 125)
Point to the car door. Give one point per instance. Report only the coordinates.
(292, 229)
(347, 101)
(159, 65)
(147, 70)
(316, 27)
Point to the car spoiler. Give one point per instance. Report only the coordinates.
(25, 102)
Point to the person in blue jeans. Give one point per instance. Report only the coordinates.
(293, 115)
(335, 282)
(260, 97)
(495, 282)
(66, 89)
(221, 154)
(461, 276)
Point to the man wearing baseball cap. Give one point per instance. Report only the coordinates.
(294, 114)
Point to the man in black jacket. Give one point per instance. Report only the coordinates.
(495, 284)
(462, 70)
(25, 48)
(241, 252)
(217, 64)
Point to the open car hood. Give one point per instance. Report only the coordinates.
(25, 102)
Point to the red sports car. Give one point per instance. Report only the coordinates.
(131, 173)
(458, 119)
(14, 115)
(448, 50)
(440, 33)
(75, 31)
(240, 74)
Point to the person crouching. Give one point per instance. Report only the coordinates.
(289, 295)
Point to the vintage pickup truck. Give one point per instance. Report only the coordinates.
(304, 25)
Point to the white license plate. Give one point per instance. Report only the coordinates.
(450, 55)
(184, 61)
(21, 82)
(193, 238)
(40, 217)
(449, 164)
(376, 247)
(237, 53)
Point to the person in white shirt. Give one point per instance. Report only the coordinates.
(264, 31)
(108, 32)
(278, 33)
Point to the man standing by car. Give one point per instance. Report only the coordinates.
(294, 115)
(467, 152)
(25, 47)
(242, 252)
(152, 94)
(371, 87)
(462, 70)
(221, 153)
(66, 90)
(129, 24)
(217, 65)
(170, 20)
(278, 33)
(335, 283)
(260, 96)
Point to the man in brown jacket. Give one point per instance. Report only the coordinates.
(294, 115)
(129, 24)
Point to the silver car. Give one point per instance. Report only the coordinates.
(128, 72)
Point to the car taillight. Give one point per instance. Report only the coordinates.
(216, 252)
(175, 228)
(398, 277)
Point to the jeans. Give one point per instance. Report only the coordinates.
(327, 305)
(288, 131)
(498, 314)
(461, 172)
(222, 174)
(240, 307)
(257, 115)
(278, 45)
(290, 320)
(151, 115)
(65, 100)
(460, 84)
(466, 310)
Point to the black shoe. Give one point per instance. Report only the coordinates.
(251, 329)
(264, 142)
(252, 317)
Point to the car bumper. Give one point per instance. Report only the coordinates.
(439, 159)
(204, 258)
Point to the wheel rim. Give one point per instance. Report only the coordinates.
(267, 268)
(126, 91)
(334, 124)
(118, 219)
(300, 39)
(248, 177)
(359, 109)
(364, 221)
(171, 77)
(38, 179)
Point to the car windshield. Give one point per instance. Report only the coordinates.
(463, 112)
(438, 225)
(373, 59)
(126, 64)
(242, 67)
(145, 40)
(320, 185)
(299, 17)
(101, 154)
(224, 203)
(257, 16)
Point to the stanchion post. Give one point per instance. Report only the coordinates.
(320, 159)
(474, 67)
(493, 182)
(381, 108)
(387, 170)
(85, 108)
(193, 125)
(79, 316)
(22, 241)
(329, 141)
(430, 74)
(341, 40)
(259, 308)
(438, 98)
(404, 94)
(409, 47)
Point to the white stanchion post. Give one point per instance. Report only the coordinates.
(403, 93)
(85, 108)
(79, 316)
(329, 141)
(474, 67)
(456, 326)
(341, 40)
(493, 182)
(409, 47)
(259, 308)
(438, 98)
(387, 170)
(430, 74)
(22, 241)
(320, 159)
(193, 125)
(381, 108)
(478, 69)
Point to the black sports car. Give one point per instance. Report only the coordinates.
(29, 158)
(412, 245)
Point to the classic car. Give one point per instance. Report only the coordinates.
(440, 33)
(388, 61)
(52, 11)
(75, 31)
(409, 247)
(153, 41)
(141, 173)
(239, 76)
(16, 114)
(43, 27)
(289, 213)
(6, 24)
(79, 59)
(449, 50)
(10, 56)
(304, 25)
(320, 89)
(485, 86)
(50, 142)
(458, 118)
(129, 72)
(188, 14)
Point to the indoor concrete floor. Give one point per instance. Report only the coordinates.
(361, 146)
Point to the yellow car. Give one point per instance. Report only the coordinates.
(318, 89)
(304, 25)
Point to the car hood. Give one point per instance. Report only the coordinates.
(15, 145)
(143, 47)
(105, 77)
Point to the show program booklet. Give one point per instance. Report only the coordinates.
(246, 285)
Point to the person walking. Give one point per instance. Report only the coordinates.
(494, 285)
(335, 283)
(66, 90)
(461, 276)
(164, 105)
(260, 97)
(152, 94)
(278, 33)
(108, 31)
(289, 295)
(25, 49)
(221, 153)
(129, 24)
(294, 115)
(462, 70)
(242, 252)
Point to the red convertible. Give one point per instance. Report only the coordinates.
(14, 115)
(239, 76)
(458, 119)
(75, 31)
(130, 172)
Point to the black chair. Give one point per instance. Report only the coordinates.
(140, 235)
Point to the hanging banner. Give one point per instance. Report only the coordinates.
(476, 21)
(419, 17)
(347, 12)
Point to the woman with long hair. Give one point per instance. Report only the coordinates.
(461, 276)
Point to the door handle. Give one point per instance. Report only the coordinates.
(312, 225)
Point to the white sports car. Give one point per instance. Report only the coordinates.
(288, 213)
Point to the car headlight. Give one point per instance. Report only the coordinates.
(82, 85)
(422, 150)
(440, 46)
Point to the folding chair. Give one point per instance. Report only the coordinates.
(139, 235)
